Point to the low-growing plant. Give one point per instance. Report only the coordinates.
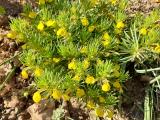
(80, 48)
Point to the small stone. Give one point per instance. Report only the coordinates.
(12, 115)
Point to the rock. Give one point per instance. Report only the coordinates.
(12, 115)
(23, 116)
(42, 110)
(3, 20)
(11, 103)
(12, 46)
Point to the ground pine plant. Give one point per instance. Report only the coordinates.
(80, 49)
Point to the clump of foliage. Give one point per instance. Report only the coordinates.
(80, 48)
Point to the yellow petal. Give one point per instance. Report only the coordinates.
(65, 97)
(62, 32)
(157, 49)
(56, 60)
(90, 104)
(86, 64)
(84, 21)
(56, 95)
(76, 77)
(120, 25)
(106, 36)
(110, 113)
(106, 42)
(143, 31)
(117, 85)
(24, 74)
(32, 14)
(12, 35)
(91, 28)
(106, 87)
(51, 23)
(41, 2)
(37, 97)
(80, 93)
(40, 26)
(90, 80)
(99, 111)
(72, 65)
(38, 72)
(83, 50)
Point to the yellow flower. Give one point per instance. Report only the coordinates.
(32, 14)
(51, 23)
(91, 28)
(101, 99)
(24, 74)
(113, 2)
(157, 49)
(24, 46)
(143, 31)
(116, 73)
(94, 2)
(41, 2)
(37, 97)
(90, 80)
(90, 104)
(62, 32)
(83, 50)
(106, 87)
(76, 77)
(106, 42)
(56, 94)
(84, 21)
(72, 65)
(80, 93)
(40, 26)
(65, 97)
(120, 25)
(106, 37)
(86, 64)
(117, 85)
(56, 60)
(110, 113)
(99, 111)
(38, 72)
(12, 35)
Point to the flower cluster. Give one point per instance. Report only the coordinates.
(80, 49)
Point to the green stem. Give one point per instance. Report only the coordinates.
(9, 76)
(155, 79)
(148, 70)
(10, 59)
(147, 105)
